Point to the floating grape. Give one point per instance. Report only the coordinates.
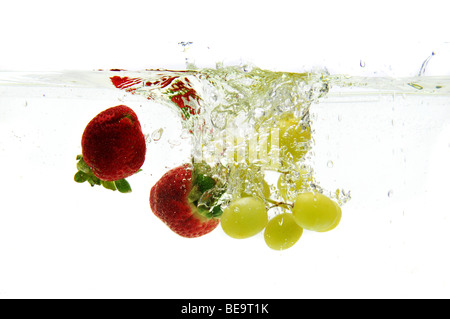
(245, 217)
(282, 232)
(315, 211)
(337, 220)
(294, 137)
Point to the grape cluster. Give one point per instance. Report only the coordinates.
(301, 208)
(248, 216)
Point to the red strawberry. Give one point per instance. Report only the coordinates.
(175, 200)
(113, 147)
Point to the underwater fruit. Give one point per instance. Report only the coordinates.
(282, 232)
(245, 217)
(315, 211)
(175, 199)
(113, 148)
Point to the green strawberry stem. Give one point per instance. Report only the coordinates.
(123, 186)
(85, 174)
(109, 185)
(203, 194)
(215, 212)
(205, 182)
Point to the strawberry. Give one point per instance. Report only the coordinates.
(184, 200)
(113, 148)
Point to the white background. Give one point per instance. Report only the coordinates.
(389, 36)
(59, 239)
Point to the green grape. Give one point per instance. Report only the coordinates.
(293, 137)
(337, 220)
(266, 189)
(245, 217)
(289, 193)
(315, 211)
(250, 182)
(287, 137)
(282, 232)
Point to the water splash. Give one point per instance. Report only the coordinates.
(231, 112)
(425, 64)
(186, 45)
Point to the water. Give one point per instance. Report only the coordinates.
(380, 146)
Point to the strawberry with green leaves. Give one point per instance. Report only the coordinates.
(185, 200)
(113, 148)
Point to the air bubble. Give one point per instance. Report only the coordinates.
(259, 113)
(218, 119)
(156, 135)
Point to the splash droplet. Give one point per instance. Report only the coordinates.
(424, 64)
(185, 44)
(330, 164)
